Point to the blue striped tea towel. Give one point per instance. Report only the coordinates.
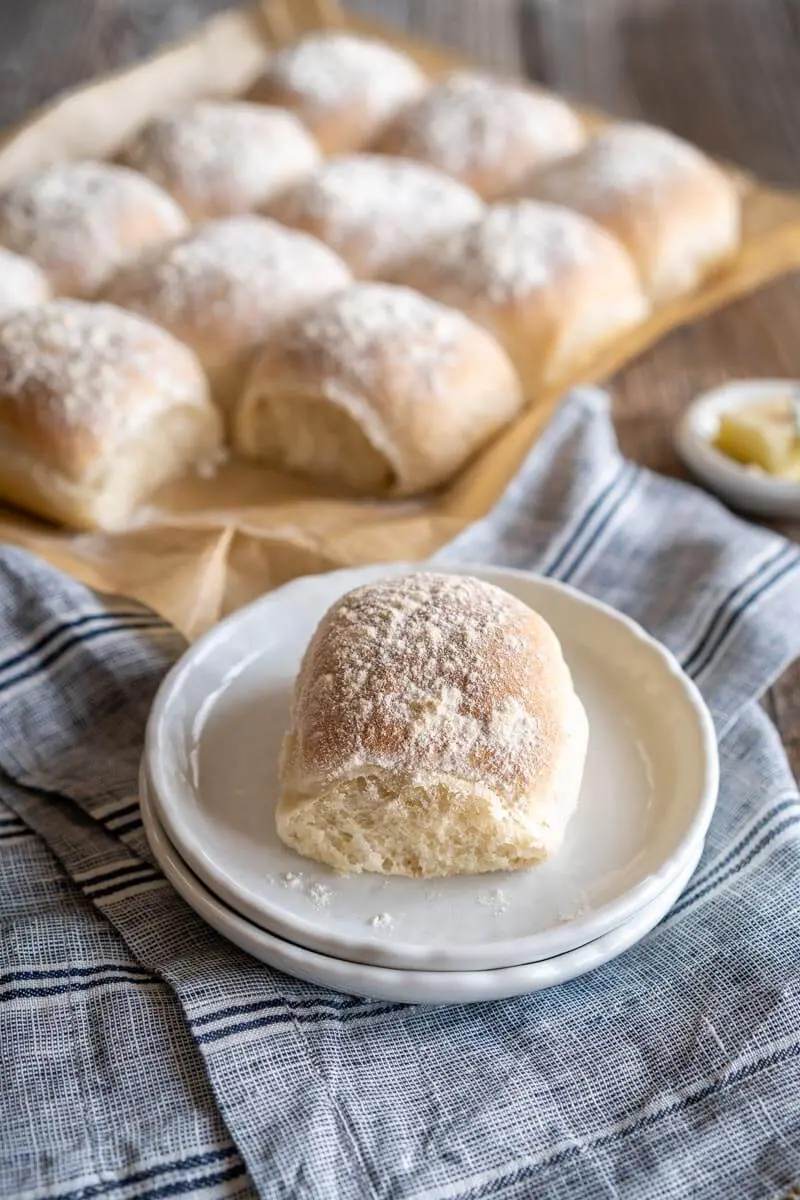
(143, 1056)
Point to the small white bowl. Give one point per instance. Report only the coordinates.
(741, 487)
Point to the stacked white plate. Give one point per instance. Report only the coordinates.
(209, 788)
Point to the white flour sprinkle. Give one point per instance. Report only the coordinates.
(80, 221)
(332, 70)
(320, 895)
(353, 335)
(223, 158)
(376, 210)
(622, 160)
(293, 880)
(472, 122)
(382, 921)
(514, 250)
(233, 278)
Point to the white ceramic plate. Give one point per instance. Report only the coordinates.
(751, 491)
(650, 785)
(396, 986)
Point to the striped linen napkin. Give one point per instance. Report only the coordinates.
(143, 1056)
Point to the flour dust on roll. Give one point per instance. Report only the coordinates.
(98, 407)
(551, 285)
(378, 389)
(676, 212)
(80, 221)
(343, 87)
(376, 211)
(225, 286)
(22, 283)
(218, 159)
(435, 731)
(489, 133)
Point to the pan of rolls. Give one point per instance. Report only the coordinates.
(359, 272)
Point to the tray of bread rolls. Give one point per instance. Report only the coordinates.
(301, 293)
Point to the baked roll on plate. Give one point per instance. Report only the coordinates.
(343, 87)
(377, 389)
(97, 408)
(551, 285)
(489, 133)
(214, 739)
(674, 210)
(376, 211)
(225, 286)
(80, 222)
(219, 159)
(435, 731)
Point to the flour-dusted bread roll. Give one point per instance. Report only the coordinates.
(80, 221)
(218, 159)
(22, 283)
(225, 286)
(377, 388)
(489, 133)
(97, 408)
(677, 213)
(551, 285)
(377, 211)
(435, 730)
(343, 87)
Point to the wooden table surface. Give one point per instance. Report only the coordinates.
(724, 73)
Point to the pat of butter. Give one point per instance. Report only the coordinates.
(763, 434)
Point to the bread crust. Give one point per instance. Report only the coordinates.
(343, 87)
(79, 222)
(97, 408)
(377, 211)
(225, 286)
(675, 211)
(550, 285)
(490, 133)
(421, 385)
(218, 159)
(435, 730)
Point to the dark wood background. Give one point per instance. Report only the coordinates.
(725, 73)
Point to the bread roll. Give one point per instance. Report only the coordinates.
(489, 133)
(81, 221)
(675, 210)
(377, 211)
(550, 285)
(219, 159)
(97, 408)
(225, 286)
(22, 284)
(376, 388)
(343, 87)
(435, 730)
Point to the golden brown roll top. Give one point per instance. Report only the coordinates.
(377, 388)
(676, 212)
(225, 286)
(218, 159)
(551, 285)
(79, 222)
(489, 133)
(97, 408)
(343, 87)
(435, 730)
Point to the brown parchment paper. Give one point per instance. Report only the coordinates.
(205, 547)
